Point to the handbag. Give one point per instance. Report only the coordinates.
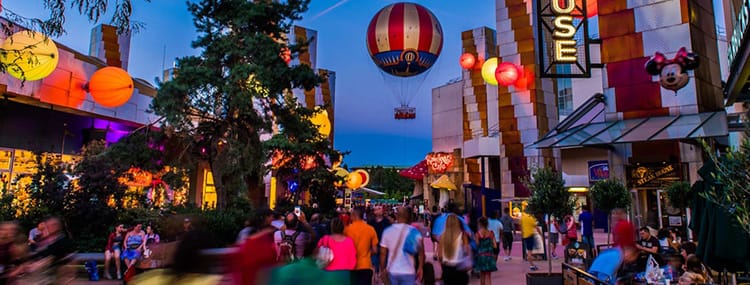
(386, 280)
(324, 257)
(467, 262)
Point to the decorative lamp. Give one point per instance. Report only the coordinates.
(364, 176)
(488, 71)
(320, 119)
(111, 86)
(29, 55)
(506, 74)
(354, 181)
(467, 61)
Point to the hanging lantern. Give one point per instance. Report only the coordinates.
(506, 74)
(488, 71)
(320, 119)
(286, 55)
(364, 177)
(341, 174)
(592, 7)
(354, 181)
(467, 61)
(29, 55)
(111, 87)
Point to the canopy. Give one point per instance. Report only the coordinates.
(443, 183)
(710, 124)
(371, 191)
(416, 172)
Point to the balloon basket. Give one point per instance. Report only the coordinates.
(404, 113)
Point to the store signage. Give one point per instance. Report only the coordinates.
(598, 170)
(563, 39)
(738, 33)
(439, 162)
(653, 176)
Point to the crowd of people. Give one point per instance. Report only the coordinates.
(377, 244)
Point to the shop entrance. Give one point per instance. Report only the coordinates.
(651, 208)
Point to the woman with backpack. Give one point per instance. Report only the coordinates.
(336, 251)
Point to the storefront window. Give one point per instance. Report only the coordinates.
(209, 190)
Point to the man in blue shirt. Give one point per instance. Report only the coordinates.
(587, 230)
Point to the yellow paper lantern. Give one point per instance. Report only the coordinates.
(320, 119)
(111, 86)
(488, 71)
(29, 55)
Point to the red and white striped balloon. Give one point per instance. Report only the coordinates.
(404, 39)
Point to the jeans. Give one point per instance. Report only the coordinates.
(589, 240)
(408, 279)
(453, 276)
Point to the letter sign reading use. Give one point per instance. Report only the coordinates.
(563, 38)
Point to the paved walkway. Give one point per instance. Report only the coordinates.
(514, 271)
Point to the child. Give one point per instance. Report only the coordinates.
(485, 262)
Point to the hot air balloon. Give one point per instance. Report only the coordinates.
(404, 41)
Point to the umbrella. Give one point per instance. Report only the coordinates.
(721, 242)
(416, 172)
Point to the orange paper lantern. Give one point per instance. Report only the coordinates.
(364, 177)
(467, 61)
(506, 74)
(354, 181)
(592, 7)
(111, 87)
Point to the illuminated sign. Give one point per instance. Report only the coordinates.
(562, 39)
(738, 33)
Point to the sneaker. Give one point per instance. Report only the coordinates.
(533, 268)
(506, 258)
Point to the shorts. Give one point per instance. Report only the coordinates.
(507, 240)
(131, 254)
(529, 243)
(554, 238)
(361, 276)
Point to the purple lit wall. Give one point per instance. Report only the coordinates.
(42, 129)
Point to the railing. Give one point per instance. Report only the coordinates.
(575, 276)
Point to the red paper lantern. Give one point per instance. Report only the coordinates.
(592, 7)
(467, 61)
(506, 74)
(111, 87)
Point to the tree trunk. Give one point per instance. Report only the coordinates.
(609, 228)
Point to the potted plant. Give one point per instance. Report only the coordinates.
(548, 197)
(609, 194)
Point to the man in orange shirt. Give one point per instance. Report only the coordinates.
(366, 242)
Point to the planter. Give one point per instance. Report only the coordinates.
(544, 279)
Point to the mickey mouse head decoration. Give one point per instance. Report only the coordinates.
(672, 72)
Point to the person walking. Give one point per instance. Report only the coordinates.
(587, 227)
(342, 247)
(554, 234)
(380, 222)
(402, 248)
(528, 230)
(453, 251)
(292, 241)
(507, 237)
(366, 242)
(486, 259)
(496, 227)
(572, 232)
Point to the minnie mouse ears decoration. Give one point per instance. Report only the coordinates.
(672, 72)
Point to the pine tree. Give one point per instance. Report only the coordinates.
(239, 89)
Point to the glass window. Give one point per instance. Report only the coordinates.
(564, 92)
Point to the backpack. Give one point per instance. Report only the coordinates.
(288, 247)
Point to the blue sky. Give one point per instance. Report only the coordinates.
(364, 103)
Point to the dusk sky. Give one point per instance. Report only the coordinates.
(364, 103)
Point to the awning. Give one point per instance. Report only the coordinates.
(371, 191)
(416, 172)
(443, 183)
(710, 124)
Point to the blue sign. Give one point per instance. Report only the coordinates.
(598, 170)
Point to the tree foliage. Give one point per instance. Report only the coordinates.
(94, 10)
(732, 189)
(387, 180)
(548, 194)
(238, 90)
(609, 194)
(678, 194)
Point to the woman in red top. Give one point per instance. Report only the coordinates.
(113, 250)
(257, 253)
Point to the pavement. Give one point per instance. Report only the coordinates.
(514, 271)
